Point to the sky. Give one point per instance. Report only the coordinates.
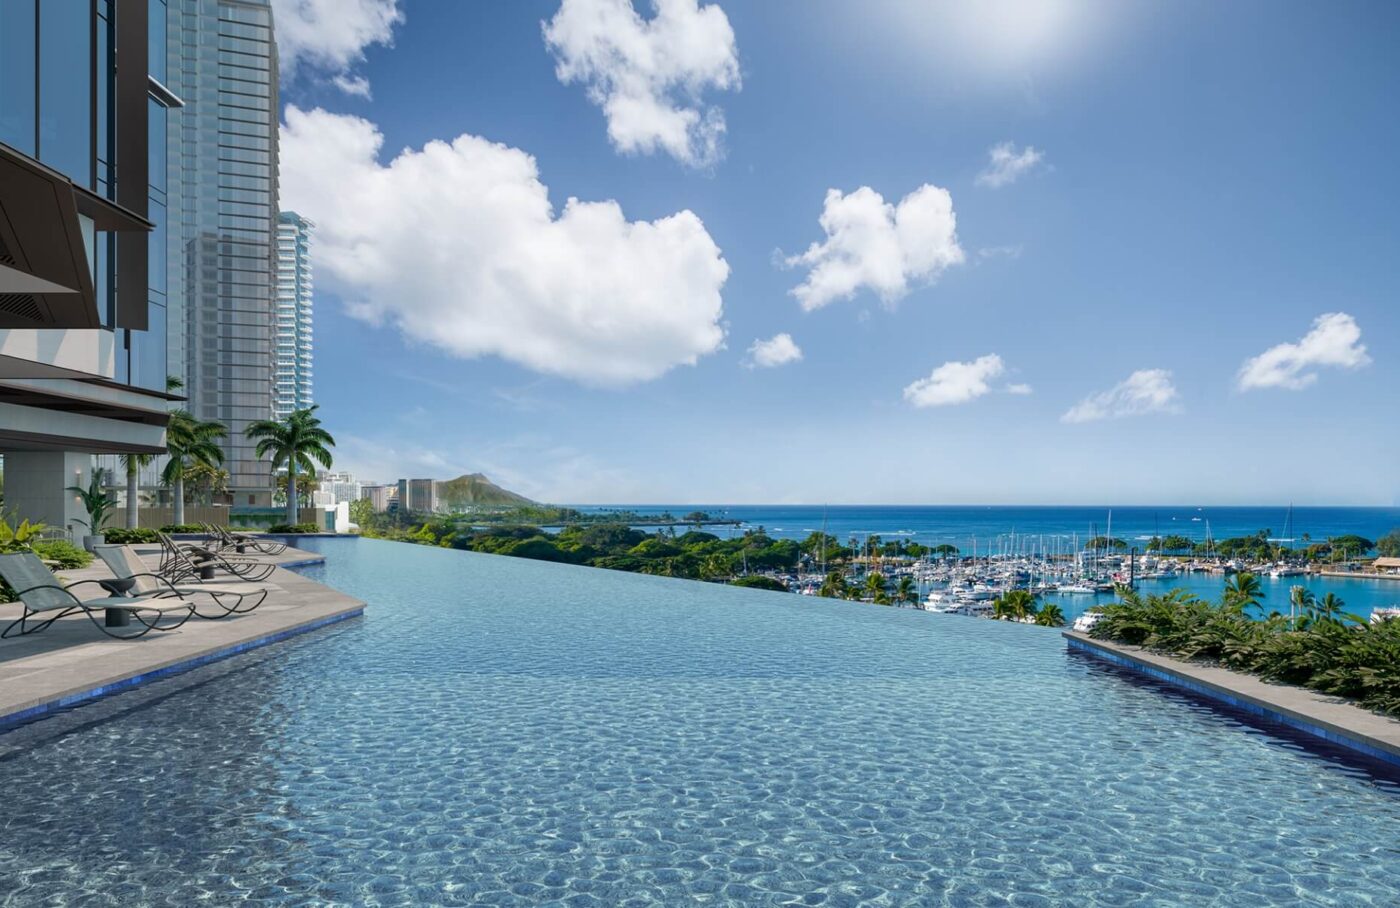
(822, 252)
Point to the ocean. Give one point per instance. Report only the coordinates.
(960, 525)
(1057, 529)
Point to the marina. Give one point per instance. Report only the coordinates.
(1078, 570)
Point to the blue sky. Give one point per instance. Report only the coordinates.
(1199, 184)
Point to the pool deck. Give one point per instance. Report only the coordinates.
(72, 661)
(1336, 721)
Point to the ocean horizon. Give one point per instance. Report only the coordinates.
(1052, 528)
(960, 525)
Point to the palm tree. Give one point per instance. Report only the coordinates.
(1013, 605)
(133, 464)
(1329, 608)
(189, 441)
(1303, 602)
(1050, 616)
(835, 586)
(1243, 591)
(875, 587)
(298, 443)
(905, 591)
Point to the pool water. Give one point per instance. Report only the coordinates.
(504, 731)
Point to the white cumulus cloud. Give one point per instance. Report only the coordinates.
(1335, 340)
(957, 383)
(649, 75)
(1145, 391)
(331, 36)
(873, 244)
(1006, 165)
(778, 350)
(458, 245)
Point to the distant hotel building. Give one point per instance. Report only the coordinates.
(377, 496)
(292, 354)
(224, 65)
(418, 495)
(85, 187)
(339, 487)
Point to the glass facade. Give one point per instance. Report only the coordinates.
(226, 73)
(66, 62)
(293, 350)
(58, 96)
(18, 74)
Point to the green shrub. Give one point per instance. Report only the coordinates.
(121, 536)
(1322, 648)
(68, 555)
(294, 528)
(182, 528)
(759, 582)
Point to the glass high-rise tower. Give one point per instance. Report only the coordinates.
(85, 206)
(292, 381)
(226, 229)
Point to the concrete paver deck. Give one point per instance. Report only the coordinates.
(1330, 718)
(73, 661)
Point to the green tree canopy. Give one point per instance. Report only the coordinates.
(297, 443)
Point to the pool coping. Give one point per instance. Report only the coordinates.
(1338, 722)
(314, 607)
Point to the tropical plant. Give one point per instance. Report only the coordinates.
(1350, 545)
(189, 441)
(298, 443)
(97, 501)
(1014, 605)
(835, 586)
(759, 582)
(1388, 546)
(361, 512)
(1325, 649)
(1175, 543)
(132, 464)
(1329, 608)
(875, 586)
(1302, 600)
(905, 590)
(18, 537)
(1243, 591)
(130, 536)
(1050, 615)
(204, 481)
(62, 552)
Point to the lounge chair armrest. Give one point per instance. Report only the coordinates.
(69, 586)
(169, 587)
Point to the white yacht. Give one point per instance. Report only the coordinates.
(1085, 622)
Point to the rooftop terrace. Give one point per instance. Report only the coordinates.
(73, 661)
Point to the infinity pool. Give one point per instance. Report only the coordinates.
(502, 731)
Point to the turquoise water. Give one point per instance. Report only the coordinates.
(1360, 595)
(503, 731)
(960, 524)
(1055, 528)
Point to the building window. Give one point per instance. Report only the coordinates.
(65, 88)
(17, 75)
